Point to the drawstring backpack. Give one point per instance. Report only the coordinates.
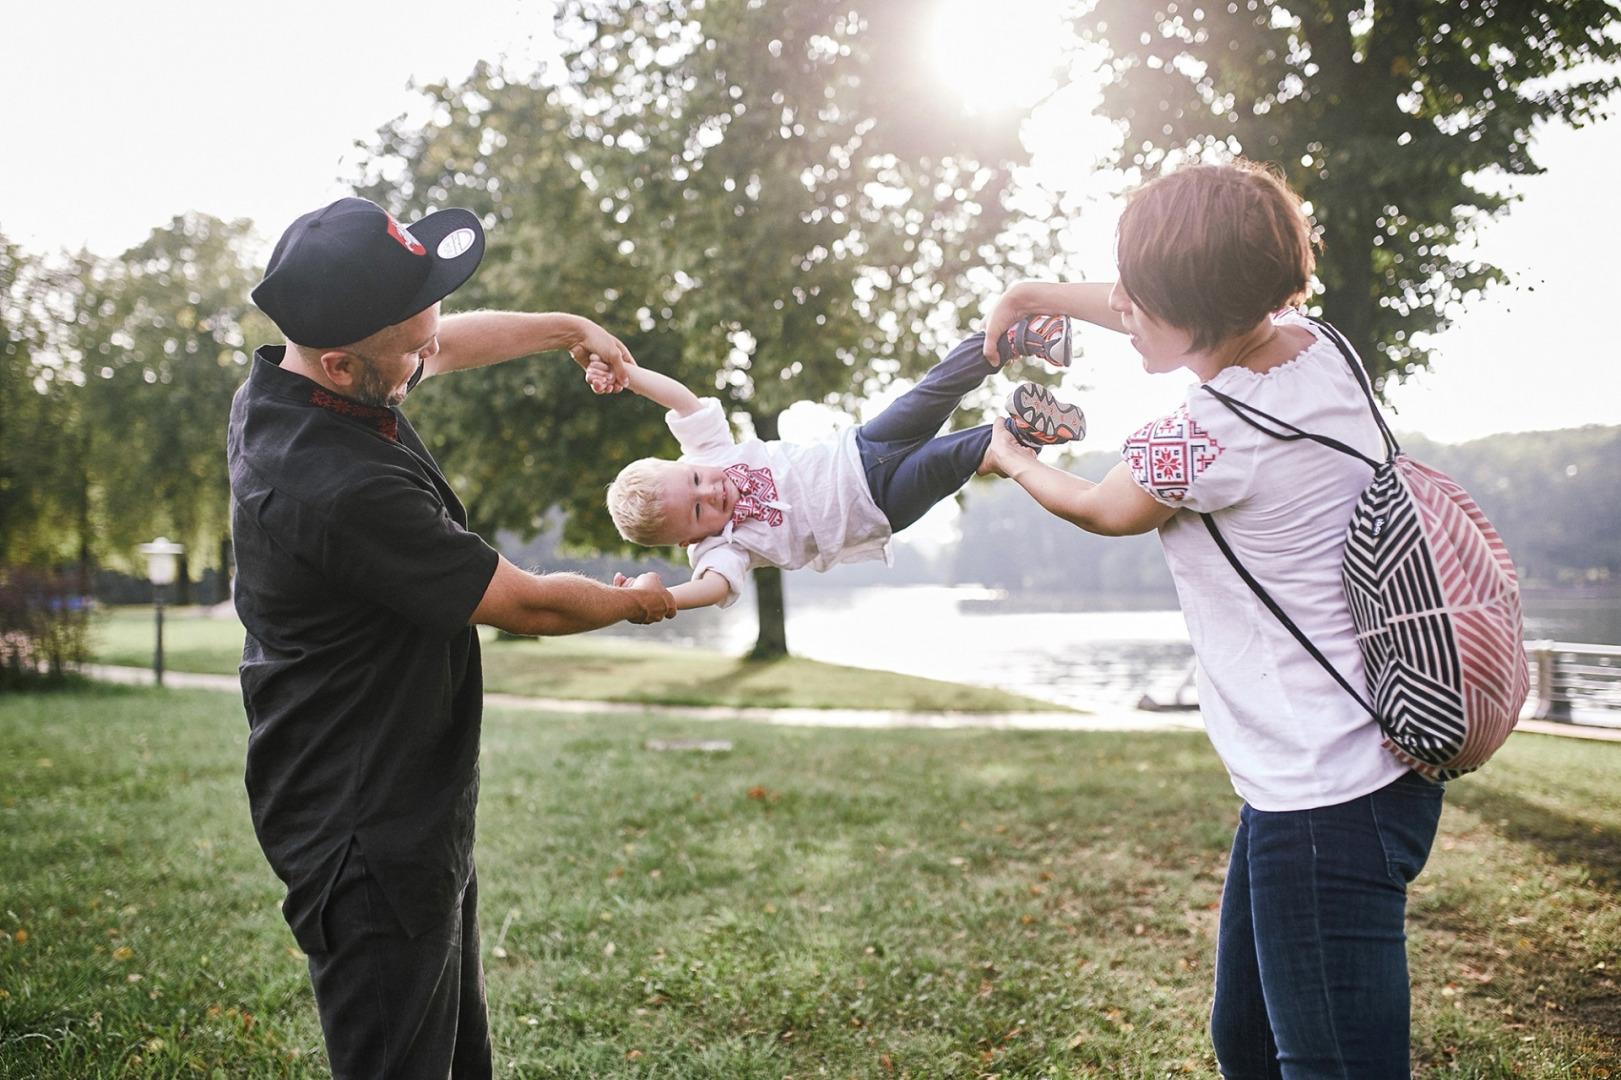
(1434, 598)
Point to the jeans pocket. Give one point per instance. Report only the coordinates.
(1407, 812)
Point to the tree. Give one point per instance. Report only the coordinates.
(1396, 119)
(30, 414)
(155, 343)
(766, 195)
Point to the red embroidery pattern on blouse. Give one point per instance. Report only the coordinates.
(1168, 455)
(757, 495)
(383, 419)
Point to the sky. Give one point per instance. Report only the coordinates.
(122, 115)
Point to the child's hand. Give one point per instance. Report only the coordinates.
(600, 377)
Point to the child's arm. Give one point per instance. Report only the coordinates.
(650, 384)
(705, 590)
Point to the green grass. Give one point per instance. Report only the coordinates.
(812, 903)
(590, 669)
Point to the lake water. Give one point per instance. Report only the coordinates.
(1084, 659)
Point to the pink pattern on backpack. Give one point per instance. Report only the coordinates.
(1168, 455)
(1482, 597)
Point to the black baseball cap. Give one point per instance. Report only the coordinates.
(341, 273)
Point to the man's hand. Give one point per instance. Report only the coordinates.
(597, 346)
(657, 603)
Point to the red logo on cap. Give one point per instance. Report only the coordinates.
(403, 235)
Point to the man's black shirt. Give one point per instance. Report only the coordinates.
(356, 577)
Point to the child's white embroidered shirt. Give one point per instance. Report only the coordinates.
(1290, 736)
(828, 515)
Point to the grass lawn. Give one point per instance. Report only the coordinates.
(589, 668)
(824, 903)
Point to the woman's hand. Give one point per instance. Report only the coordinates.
(1005, 454)
(1009, 308)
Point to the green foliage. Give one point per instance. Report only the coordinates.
(116, 378)
(157, 345)
(34, 508)
(942, 904)
(1398, 122)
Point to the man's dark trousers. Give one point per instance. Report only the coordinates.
(394, 1006)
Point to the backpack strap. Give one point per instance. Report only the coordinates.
(1272, 606)
(1290, 433)
(1392, 448)
(1248, 413)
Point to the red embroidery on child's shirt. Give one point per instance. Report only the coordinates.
(757, 495)
(1168, 455)
(383, 419)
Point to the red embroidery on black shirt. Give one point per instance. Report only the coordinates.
(383, 419)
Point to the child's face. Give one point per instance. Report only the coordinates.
(697, 501)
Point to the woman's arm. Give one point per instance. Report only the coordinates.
(1088, 300)
(1115, 507)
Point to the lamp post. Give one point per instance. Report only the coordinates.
(161, 565)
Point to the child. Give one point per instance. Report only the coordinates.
(836, 499)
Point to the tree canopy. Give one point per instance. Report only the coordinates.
(115, 387)
(765, 200)
(1397, 120)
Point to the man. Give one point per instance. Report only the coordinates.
(360, 587)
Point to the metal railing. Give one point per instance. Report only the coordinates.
(1573, 683)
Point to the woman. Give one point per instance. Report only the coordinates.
(1311, 965)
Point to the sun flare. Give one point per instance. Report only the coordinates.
(998, 54)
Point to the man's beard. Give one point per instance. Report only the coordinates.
(372, 387)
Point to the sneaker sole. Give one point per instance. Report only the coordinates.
(1040, 419)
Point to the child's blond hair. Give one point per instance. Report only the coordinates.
(634, 504)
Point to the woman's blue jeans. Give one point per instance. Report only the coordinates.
(1311, 956)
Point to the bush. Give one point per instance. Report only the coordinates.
(44, 626)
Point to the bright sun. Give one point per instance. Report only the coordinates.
(998, 54)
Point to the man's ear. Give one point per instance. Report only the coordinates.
(343, 368)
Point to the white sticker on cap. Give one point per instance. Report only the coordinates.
(457, 243)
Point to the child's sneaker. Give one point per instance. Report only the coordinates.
(1037, 418)
(1046, 336)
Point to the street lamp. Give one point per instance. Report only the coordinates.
(161, 564)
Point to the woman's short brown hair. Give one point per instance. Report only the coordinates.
(1214, 249)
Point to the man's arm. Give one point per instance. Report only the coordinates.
(551, 604)
(1115, 507)
(476, 338)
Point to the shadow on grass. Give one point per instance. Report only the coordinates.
(727, 688)
(1569, 840)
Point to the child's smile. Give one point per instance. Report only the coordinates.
(697, 501)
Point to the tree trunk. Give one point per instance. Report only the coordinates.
(182, 581)
(772, 643)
